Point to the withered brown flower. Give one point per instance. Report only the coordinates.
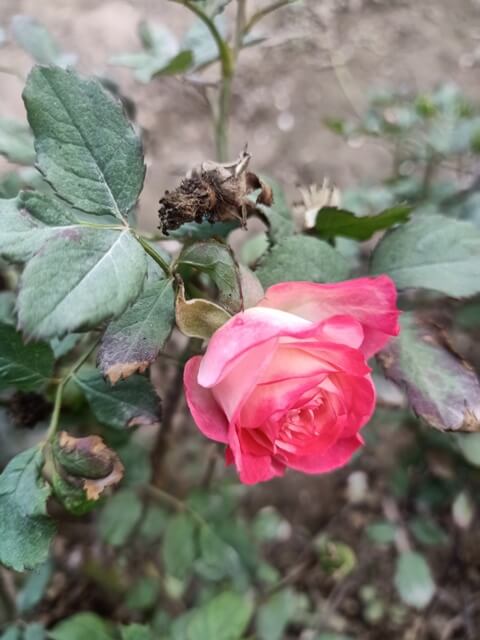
(214, 192)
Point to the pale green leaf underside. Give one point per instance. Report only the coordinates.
(78, 279)
(86, 148)
(432, 252)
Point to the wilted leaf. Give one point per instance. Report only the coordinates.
(179, 548)
(80, 627)
(133, 341)
(413, 580)
(32, 36)
(25, 529)
(23, 366)
(198, 318)
(331, 222)
(82, 469)
(299, 257)
(86, 148)
(130, 403)
(216, 259)
(16, 141)
(432, 252)
(80, 277)
(226, 617)
(119, 517)
(440, 387)
(203, 230)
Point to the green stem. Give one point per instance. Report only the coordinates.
(154, 254)
(176, 503)
(259, 15)
(227, 63)
(57, 406)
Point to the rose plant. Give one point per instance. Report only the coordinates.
(101, 322)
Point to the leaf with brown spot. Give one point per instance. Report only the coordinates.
(441, 387)
(81, 469)
(130, 403)
(132, 342)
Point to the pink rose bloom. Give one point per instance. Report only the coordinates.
(286, 383)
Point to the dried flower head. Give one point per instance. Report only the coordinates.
(214, 192)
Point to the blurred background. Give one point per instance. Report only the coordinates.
(382, 97)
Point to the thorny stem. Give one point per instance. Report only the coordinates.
(160, 447)
(154, 254)
(57, 406)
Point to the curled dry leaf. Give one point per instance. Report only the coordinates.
(214, 192)
(198, 318)
(441, 387)
(82, 469)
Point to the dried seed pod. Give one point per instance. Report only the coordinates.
(214, 192)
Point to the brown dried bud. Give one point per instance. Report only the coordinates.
(214, 192)
(82, 469)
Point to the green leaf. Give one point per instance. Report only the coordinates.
(300, 257)
(119, 517)
(427, 531)
(80, 627)
(129, 403)
(136, 632)
(34, 587)
(413, 580)
(12, 633)
(469, 445)
(200, 42)
(332, 222)
(86, 148)
(144, 594)
(274, 615)
(34, 631)
(226, 617)
(25, 529)
(7, 306)
(179, 549)
(216, 259)
(440, 387)
(161, 55)
(381, 532)
(81, 277)
(218, 559)
(28, 221)
(16, 141)
(133, 341)
(203, 230)
(24, 366)
(278, 217)
(32, 36)
(153, 524)
(432, 252)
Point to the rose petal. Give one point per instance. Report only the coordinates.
(245, 330)
(336, 456)
(372, 301)
(208, 416)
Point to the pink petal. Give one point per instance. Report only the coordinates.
(244, 331)
(251, 468)
(336, 456)
(206, 413)
(372, 301)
